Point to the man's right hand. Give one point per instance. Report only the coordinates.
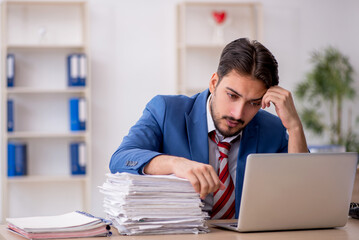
(202, 176)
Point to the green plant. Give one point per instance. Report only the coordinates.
(327, 86)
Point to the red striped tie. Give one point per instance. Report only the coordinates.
(224, 200)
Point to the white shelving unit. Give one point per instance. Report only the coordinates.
(199, 43)
(41, 34)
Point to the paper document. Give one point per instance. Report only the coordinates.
(152, 204)
(70, 225)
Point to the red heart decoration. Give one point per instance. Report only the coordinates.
(219, 17)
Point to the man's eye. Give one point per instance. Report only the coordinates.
(232, 96)
(255, 104)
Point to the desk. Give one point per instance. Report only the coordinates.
(349, 232)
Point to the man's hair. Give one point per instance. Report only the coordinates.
(249, 58)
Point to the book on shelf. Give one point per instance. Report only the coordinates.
(78, 158)
(10, 115)
(70, 225)
(76, 69)
(17, 159)
(10, 69)
(82, 69)
(78, 114)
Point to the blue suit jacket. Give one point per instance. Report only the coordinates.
(177, 125)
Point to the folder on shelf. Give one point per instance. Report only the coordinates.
(78, 158)
(77, 114)
(82, 69)
(17, 159)
(76, 69)
(72, 70)
(10, 70)
(10, 115)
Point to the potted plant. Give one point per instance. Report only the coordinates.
(328, 86)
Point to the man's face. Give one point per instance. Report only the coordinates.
(235, 101)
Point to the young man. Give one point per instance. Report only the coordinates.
(190, 136)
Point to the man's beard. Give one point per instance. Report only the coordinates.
(223, 132)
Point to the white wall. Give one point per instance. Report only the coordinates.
(133, 58)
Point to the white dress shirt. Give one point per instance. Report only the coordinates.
(214, 154)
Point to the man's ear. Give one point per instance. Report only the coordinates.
(213, 82)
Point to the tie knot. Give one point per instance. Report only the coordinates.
(223, 147)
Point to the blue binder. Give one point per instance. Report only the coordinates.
(10, 71)
(82, 69)
(72, 70)
(76, 69)
(17, 159)
(78, 158)
(11, 160)
(10, 115)
(77, 114)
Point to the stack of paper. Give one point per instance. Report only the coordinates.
(153, 204)
(70, 225)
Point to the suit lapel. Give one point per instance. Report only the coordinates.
(197, 132)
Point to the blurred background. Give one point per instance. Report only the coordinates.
(139, 48)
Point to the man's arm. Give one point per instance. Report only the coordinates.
(286, 111)
(140, 151)
(143, 141)
(202, 176)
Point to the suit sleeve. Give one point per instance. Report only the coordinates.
(284, 143)
(144, 140)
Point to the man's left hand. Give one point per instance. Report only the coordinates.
(284, 106)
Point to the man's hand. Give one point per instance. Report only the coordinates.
(284, 106)
(202, 176)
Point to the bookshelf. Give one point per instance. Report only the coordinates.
(200, 39)
(41, 34)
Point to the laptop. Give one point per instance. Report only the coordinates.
(295, 191)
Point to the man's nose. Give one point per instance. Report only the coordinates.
(238, 110)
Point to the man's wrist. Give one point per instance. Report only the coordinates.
(298, 128)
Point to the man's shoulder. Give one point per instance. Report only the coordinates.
(175, 99)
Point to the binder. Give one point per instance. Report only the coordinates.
(77, 114)
(77, 69)
(10, 115)
(82, 69)
(17, 159)
(10, 70)
(11, 160)
(72, 70)
(78, 158)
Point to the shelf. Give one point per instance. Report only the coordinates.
(41, 34)
(43, 46)
(201, 40)
(37, 135)
(46, 179)
(39, 2)
(28, 90)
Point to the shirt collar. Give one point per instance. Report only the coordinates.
(211, 126)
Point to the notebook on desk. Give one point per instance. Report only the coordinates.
(295, 191)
